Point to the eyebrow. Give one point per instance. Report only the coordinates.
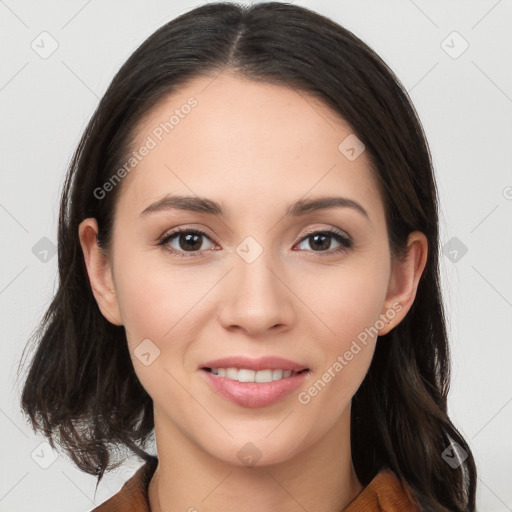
(203, 205)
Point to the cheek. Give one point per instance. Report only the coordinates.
(153, 296)
(145, 305)
(345, 354)
(154, 313)
(349, 300)
(162, 304)
(349, 304)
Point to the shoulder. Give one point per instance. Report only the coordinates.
(385, 493)
(133, 496)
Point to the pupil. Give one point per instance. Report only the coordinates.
(323, 244)
(191, 241)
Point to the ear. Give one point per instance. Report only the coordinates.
(99, 271)
(403, 282)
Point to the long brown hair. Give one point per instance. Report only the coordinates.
(81, 389)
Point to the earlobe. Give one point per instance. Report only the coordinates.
(404, 279)
(99, 271)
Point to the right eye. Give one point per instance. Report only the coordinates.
(185, 241)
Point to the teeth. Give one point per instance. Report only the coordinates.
(245, 375)
(277, 374)
(231, 373)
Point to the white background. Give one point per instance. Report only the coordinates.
(465, 104)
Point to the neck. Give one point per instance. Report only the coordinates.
(321, 477)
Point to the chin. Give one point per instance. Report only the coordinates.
(258, 449)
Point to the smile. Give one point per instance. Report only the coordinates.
(247, 375)
(251, 392)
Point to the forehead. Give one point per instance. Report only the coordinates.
(234, 140)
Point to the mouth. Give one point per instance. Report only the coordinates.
(254, 382)
(254, 388)
(258, 376)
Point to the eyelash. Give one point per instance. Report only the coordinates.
(344, 241)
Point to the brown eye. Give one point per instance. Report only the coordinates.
(182, 241)
(321, 241)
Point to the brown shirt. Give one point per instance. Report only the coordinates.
(384, 493)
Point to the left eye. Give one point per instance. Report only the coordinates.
(322, 241)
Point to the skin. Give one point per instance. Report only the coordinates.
(255, 148)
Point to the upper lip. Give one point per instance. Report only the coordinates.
(260, 363)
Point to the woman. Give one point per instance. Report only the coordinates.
(248, 266)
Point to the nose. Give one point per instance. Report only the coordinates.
(256, 297)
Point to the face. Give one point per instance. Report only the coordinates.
(267, 277)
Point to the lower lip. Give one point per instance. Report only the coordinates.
(254, 394)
